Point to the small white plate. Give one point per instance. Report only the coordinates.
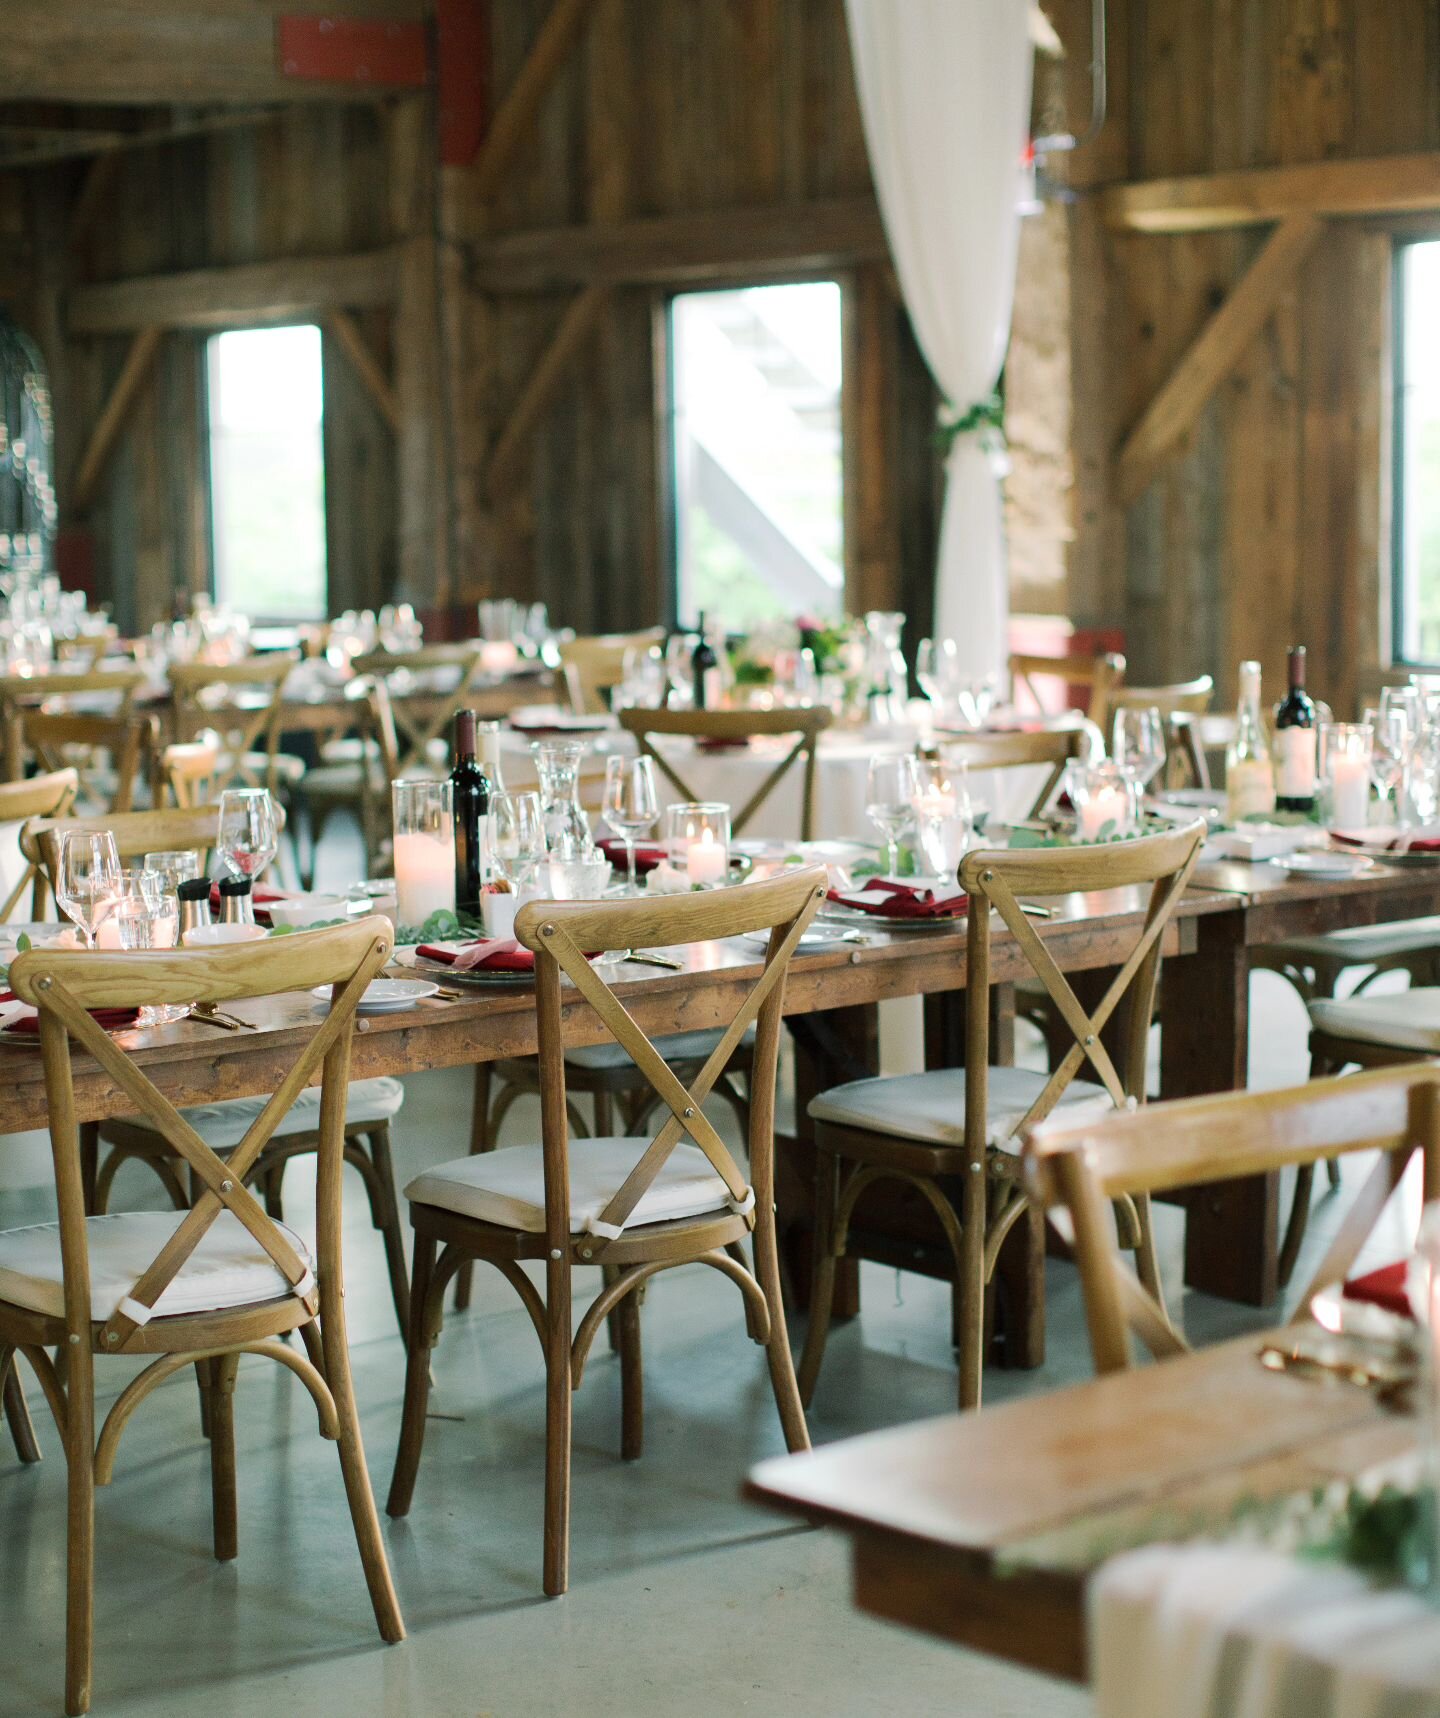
(386, 995)
(813, 941)
(1321, 862)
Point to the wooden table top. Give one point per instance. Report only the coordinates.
(984, 1527)
(1277, 904)
(192, 1063)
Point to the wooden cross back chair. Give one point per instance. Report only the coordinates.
(203, 1287)
(359, 782)
(802, 726)
(423, 718)
(129, 746)
(210, 697)
(1075, 1168)
(371, 1105)
(44, 796)
(633, 1205)
(191, 769)
(1097, 675)
(19, 692)
(593, 667)
(954, 1134)
(89, 649)
(981, 752)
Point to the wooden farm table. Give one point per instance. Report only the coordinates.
(191, 1063)
(983, 1528)
(1231, 1231)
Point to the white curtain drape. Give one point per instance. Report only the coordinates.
(945, 95)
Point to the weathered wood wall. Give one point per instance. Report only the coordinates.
(1270, 525)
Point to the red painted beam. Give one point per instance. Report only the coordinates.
(462, 50)
(329, 49)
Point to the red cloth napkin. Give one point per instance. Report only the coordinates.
(108, 1019)
(900, 901)
(494, 954)
(1385, 1287)
(648, 854)
(260, 898)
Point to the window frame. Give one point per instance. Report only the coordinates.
(207, 462)
(667, 485)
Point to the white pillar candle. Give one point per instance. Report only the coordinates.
(424, 878)
(1349, 792)
(705, 858)
(1105, 805)
(108, 935)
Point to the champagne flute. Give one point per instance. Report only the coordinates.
(249, 835)
(631, 805)
(87, 879)
(891, 785)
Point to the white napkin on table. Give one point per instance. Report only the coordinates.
(1237, 1631)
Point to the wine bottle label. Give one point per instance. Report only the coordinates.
(1295, 761)
(714, 689)
(1249, 788)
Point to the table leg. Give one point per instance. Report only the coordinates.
(1232, 1227)
(831, 1047)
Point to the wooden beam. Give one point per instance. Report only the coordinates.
(516, 113)
(1379, 185)
(1214, 353)
(576, 325)
(249, 292)
(133, 374)
(164, 51)
(346, 333)
(772, 239)
(58, 144)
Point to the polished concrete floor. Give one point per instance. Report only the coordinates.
(684, 1599)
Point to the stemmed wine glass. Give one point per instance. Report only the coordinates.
(87, 879)
(891, 786)
(1389, 748)
(145, 920)
(517, 836)
(631, 805)
(249, 835)
(1139, 745)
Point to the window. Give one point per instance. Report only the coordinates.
(1416, 525)
(755, 379)
(267, 472)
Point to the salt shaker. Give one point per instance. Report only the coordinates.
(236, 905)
(194, 897)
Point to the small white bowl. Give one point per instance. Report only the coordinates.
(220, 936)
(304, 910)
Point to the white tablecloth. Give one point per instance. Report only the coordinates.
(1236, 1631)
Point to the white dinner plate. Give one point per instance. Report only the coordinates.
(386, 995)
(411, 957)
(813, 941)
(835, 914)
(1323, 862)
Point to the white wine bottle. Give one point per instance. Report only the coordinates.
(1249, 770)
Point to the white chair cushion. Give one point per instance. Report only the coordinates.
(1406, 1019)
(227, 1268)
(1366, 943)
(931, 1107)
(288, 768)
(677, 1047)
(507, 1186)
(342, 778)
(223, 1125)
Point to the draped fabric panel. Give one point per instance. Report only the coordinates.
(945, 96)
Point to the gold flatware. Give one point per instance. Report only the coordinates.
(661, 960)
(210, 1019)
(209, 1012)
(1035, 912)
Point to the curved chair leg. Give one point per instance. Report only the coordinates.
(632, 1387)
(970, 1271)
(1332, 1173)
(222, 1455)
(558, 1410)
(272, 1187)
(378, 1174)
(604, 1113)
(481, 1139)
(17, 1412)
(822, 1270)
(783, 1383)
(1147, 1262)
(417, 1383)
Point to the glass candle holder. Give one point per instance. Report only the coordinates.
(424, 849)
(697, 839)
(1345, 756)
(1107, 803)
